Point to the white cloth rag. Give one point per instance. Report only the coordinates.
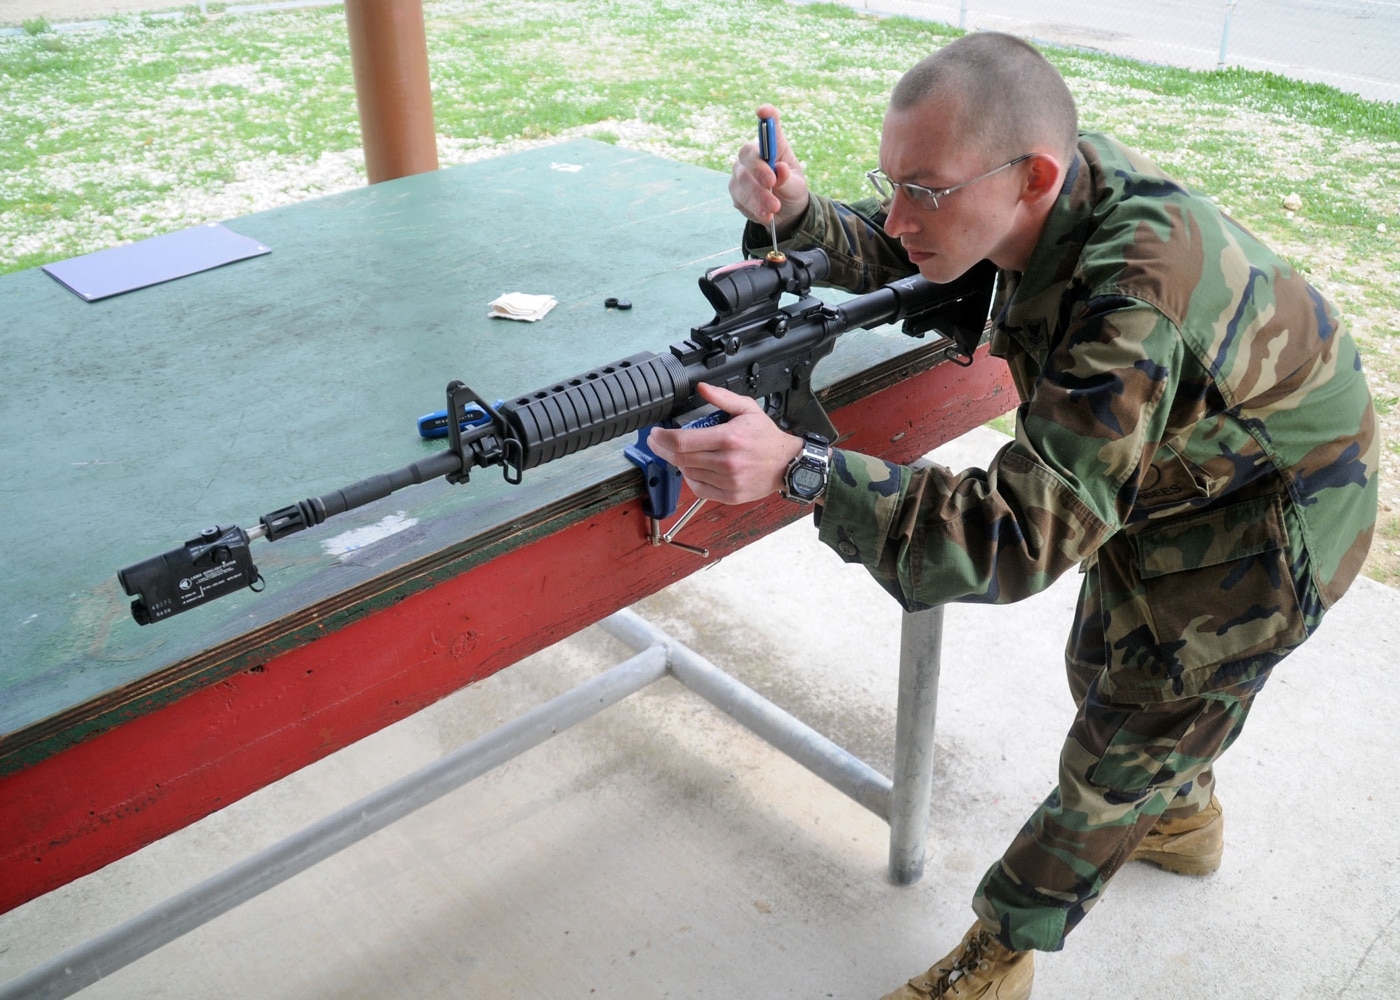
(519, 305)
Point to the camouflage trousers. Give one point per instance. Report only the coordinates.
(1122, 767)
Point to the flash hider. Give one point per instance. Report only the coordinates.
(215, 563)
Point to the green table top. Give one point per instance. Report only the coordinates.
(133, 422)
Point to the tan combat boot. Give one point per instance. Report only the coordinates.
(1190, 846)
(981, 968)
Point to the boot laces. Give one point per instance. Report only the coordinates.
(971, 958)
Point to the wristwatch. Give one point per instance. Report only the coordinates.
(805, 479)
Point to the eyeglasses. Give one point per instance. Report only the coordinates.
(922, 197)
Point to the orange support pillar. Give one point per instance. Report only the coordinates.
(389, 53)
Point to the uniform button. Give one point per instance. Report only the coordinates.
(846, 548)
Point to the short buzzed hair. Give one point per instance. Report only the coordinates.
(1012, 97)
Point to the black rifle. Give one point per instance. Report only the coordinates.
(753, 346)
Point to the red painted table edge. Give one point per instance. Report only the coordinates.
(93, 803)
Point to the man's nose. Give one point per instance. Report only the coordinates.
(900, 219)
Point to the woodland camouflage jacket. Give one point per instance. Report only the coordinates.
(1195, 430)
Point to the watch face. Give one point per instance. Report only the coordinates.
(807, 481)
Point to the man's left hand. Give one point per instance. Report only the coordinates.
(734, 462)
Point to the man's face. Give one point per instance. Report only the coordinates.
(919, 145)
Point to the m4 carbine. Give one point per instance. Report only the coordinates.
(754, 346)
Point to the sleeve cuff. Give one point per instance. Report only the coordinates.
(861, 503)
(810, 231)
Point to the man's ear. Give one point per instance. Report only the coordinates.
(1044, 175)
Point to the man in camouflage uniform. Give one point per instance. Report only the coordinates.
(1195, 433)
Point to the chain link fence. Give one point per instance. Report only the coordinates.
(1353, 45)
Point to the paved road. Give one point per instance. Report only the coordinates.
(14, 12)
(1353, 45)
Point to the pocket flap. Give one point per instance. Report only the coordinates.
(1213, 537)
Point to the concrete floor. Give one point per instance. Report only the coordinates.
(659, 850)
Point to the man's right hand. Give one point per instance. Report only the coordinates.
(759, 192)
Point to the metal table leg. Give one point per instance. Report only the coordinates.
(921, 639)
(908, 795)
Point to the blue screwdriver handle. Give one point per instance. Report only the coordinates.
(768, 141)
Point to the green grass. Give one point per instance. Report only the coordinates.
(194, 103)
(160, 123)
